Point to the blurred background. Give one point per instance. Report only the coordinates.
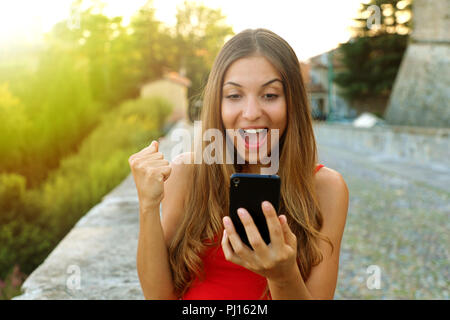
(85, 84)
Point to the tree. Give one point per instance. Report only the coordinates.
(372, 57)
(200, 33)
(150, 45)
(379, 17)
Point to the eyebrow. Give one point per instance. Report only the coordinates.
(265, 84)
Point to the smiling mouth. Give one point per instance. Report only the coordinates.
(254, 138)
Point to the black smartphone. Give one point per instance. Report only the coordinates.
(248, 191)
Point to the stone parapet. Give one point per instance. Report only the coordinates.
(423, 146)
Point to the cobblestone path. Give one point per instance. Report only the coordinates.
(398, 220)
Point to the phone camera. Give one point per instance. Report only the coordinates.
(236, 181)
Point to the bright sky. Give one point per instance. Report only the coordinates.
(309, 26)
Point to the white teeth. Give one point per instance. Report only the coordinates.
(254, 130)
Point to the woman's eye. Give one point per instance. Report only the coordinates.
(268, 96)
(271, 96)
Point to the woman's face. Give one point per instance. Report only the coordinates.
(253, 98)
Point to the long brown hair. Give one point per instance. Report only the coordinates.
(207, 201)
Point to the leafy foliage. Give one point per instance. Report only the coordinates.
(371, 65)
(200, 34)
(70, 116)
(82, 72)
(11, 286)
(33, 221)
(371, 59)
(394, 18)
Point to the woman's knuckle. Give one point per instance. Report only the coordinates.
(257, 268)
(227, 255)
(255, 242)
(151, 173)
(239, 249)
(267, 265)
(282, 257)
(277, 232)
(132, 161)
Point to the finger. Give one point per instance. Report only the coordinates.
(149, 155)
(253, 235)
(153, 163)
(273, 224)
(152, 149)
(155, 155)
(237, 245)
(160, 173)
(165, 172)
(149, 163)
(228, 251)
(289, 236)
(157, 163)
(160, 163)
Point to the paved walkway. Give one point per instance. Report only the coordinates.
(398, 220)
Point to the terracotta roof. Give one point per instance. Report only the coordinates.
(176, 77)
(305, 69)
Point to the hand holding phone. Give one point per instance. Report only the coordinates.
(248, 191)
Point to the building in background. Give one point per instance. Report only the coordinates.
(325, 95)
(173, 86)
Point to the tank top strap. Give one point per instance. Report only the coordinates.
(318, 167)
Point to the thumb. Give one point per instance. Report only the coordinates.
(154, 146)
(165, 171)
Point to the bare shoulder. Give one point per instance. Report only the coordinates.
(328, 180)
(175, 193)
(332, 194)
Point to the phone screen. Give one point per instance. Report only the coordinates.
(249, 191)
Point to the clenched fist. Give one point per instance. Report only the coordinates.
(150, 170)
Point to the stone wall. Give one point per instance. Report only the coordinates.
(421, 92)
(423, 146)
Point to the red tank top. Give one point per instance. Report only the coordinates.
(224, 280)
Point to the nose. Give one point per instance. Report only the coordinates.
(252, 110)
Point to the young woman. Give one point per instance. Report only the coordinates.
(194, 252)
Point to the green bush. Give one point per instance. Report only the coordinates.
(11, 286)
(33, 222)
(102, 161)
(12, 190)
(23, 237)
